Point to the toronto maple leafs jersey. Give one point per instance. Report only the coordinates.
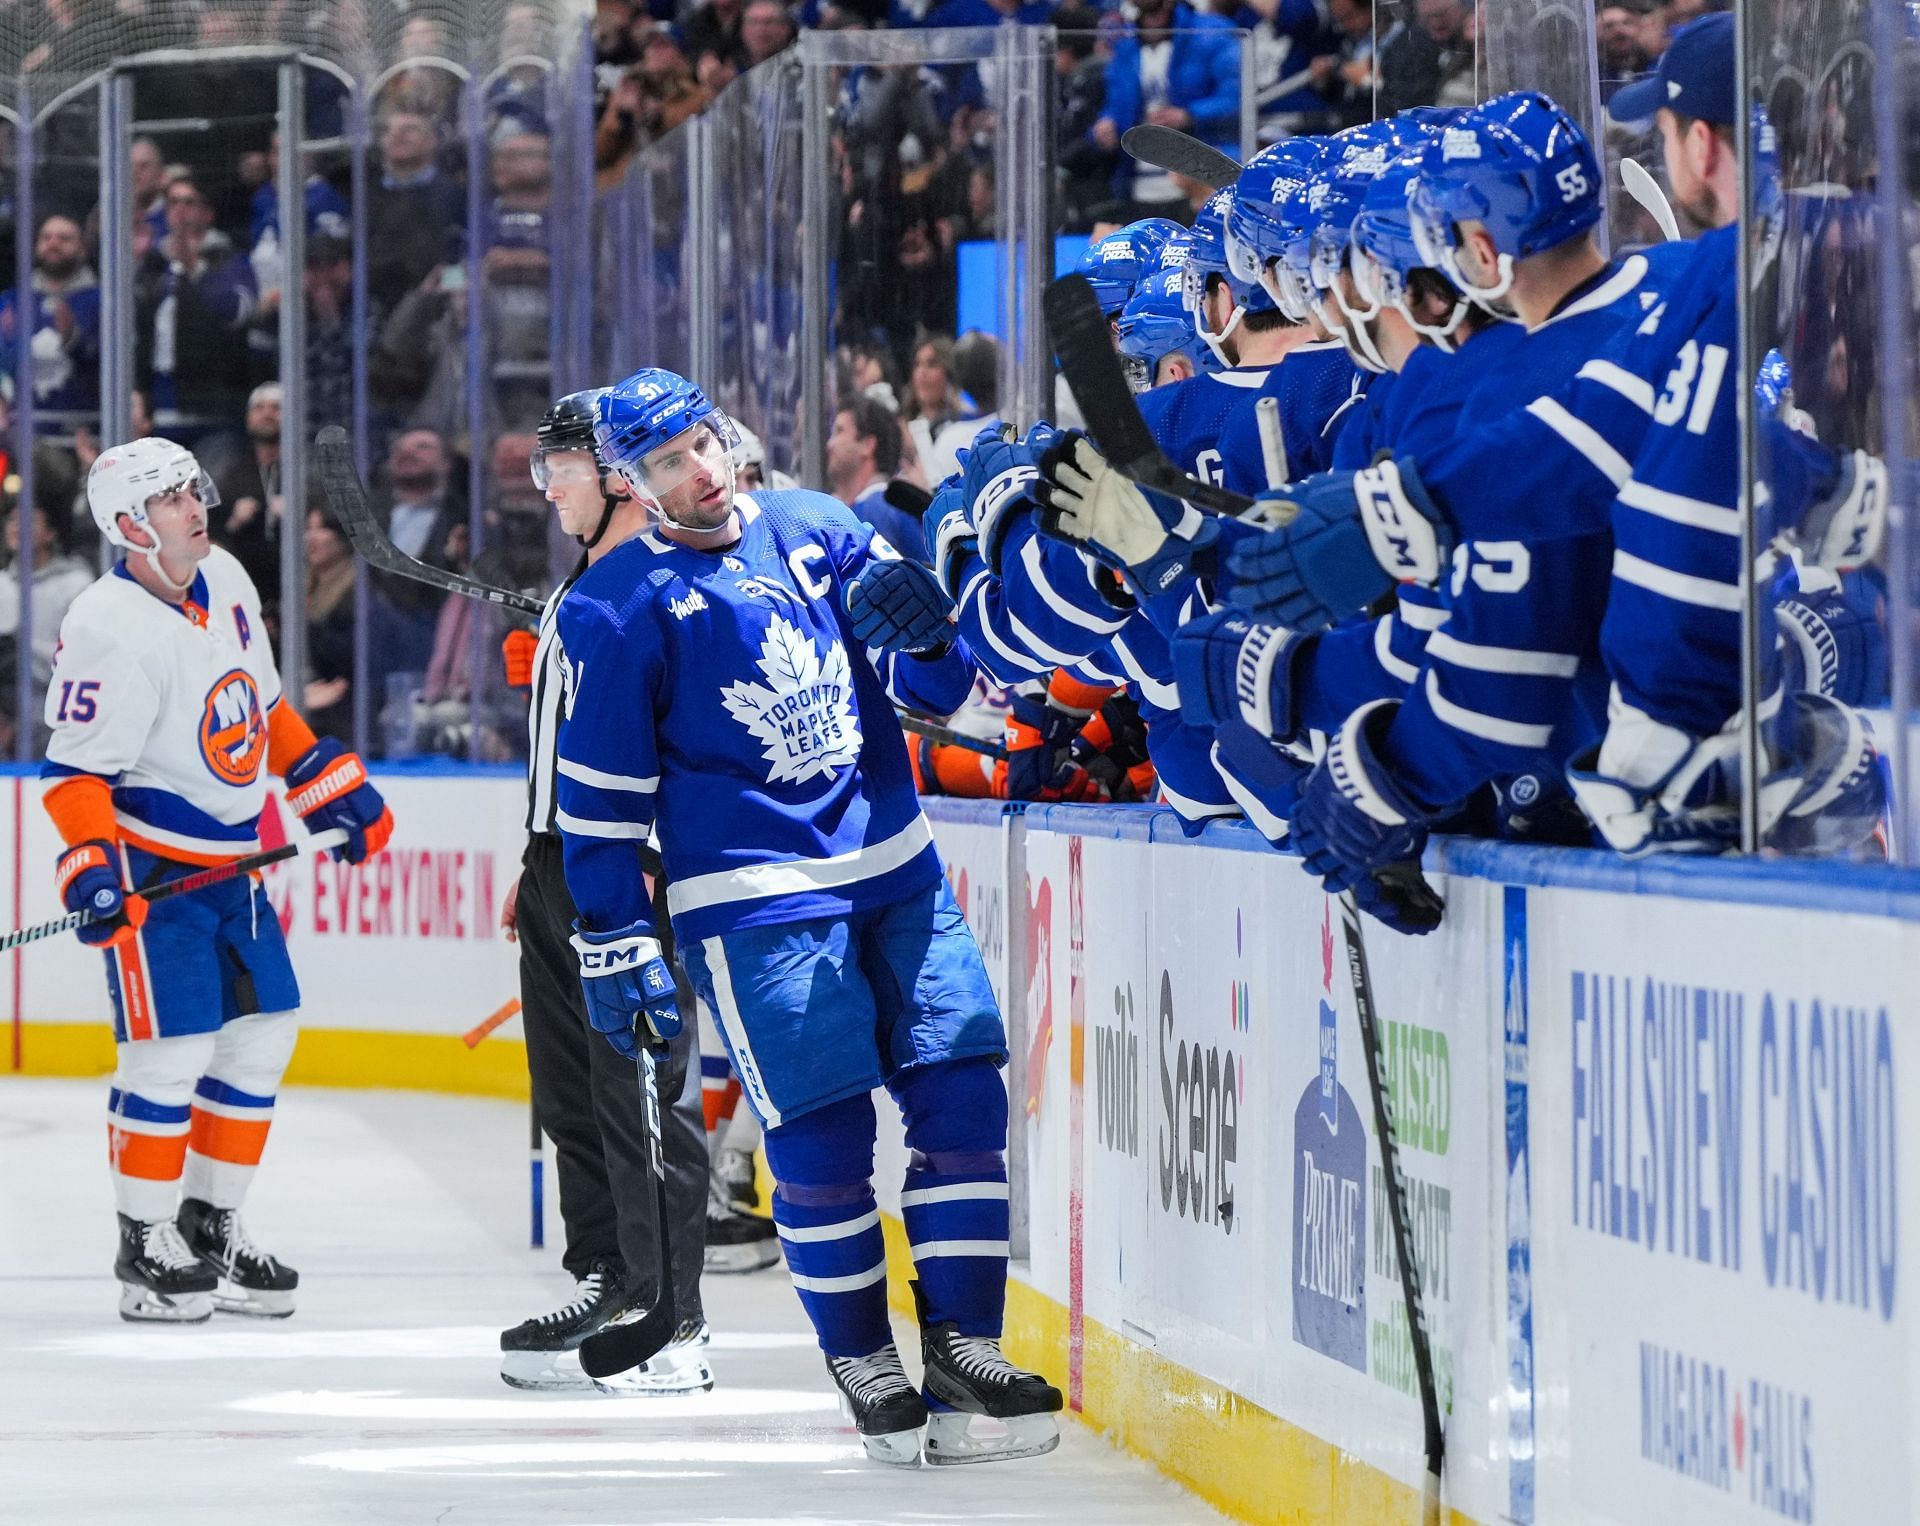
(1044, 609)
(714, 697)
(168, 703)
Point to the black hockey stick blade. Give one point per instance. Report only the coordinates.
(1084, 343)
(631, 1342)
(1400, 1220)
(908, 497)
(1180, 153)
(340, 480)
(948, 737)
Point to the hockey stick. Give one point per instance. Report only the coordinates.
(472, 1037)
(340, 480)
(948, 737)
(1084, 343)
(1180, 153)
(1435, 1440)
(1643, 188)
(621, 1346)
(219, 874)
(536, 1179)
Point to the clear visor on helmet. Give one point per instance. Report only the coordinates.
(564, 466)
(1139, 372)
(198, 483)
(1294, 296)
(707, 452)
(1193, 289)
(1375, 283)
(1242, 260)
(1432, 234)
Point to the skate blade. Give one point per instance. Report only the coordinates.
(955, 1438)
(253, 1303)
(143, 1306)
(543, 1372)
(637, 1383)
(728, 1260)
(897, 1449)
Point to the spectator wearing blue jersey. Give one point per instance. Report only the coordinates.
(863, 455)
(193, 298)
(62, 326)
(1180, 68)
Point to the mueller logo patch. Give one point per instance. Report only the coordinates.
(233, 729)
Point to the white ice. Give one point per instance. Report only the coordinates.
(380, 1401)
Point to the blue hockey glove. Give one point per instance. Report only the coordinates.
(1843, 530)
(627, 985)
(901, 606)
(1353, 535)
(950, 534)
(1353, 819)
(1040, 738)
(997, 475)
(1832, 641)
(327, 788)
(1153, 540)
(1230, 667)
(88, 878)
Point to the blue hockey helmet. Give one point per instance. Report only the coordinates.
(1385, 256)
(1520, 166)
(1207, 263)
(1253, 218)
(650, 410)
(1155, 324)
(1116, 264)
(1334, 201)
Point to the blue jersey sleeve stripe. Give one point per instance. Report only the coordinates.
(1101, 618)
(1165, 695)
(1264, 821)
(1383, 652)
(1489, 728)
(1584, 439)
(1032, 641)
(1019, 665)
(601, 779)
(1422, 617)
(1707, 593)
(1694, 513)
(796, 876)
(1500, 659)
(1635, 389)
(633, 831)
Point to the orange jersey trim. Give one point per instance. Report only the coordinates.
(81, 806)
(289, 737)
(179, 855)
(237, 1141)
(1070, 693)
(151, 1157)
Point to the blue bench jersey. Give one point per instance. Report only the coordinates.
(1319, 390)
(715, 697)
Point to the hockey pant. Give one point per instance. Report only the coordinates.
(589, 1102)
(815, 1015)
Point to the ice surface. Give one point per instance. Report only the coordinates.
(379, 1401)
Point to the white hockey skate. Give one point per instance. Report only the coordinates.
(542, 1354)
(161, 1281)
(679, 1367)
(251, 1282)
(884, 1406)
(980, 1407)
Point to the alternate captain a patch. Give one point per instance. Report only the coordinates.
(233, 729)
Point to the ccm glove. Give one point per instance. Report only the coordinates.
(1353, 819)
(997, 478)
(88, 879)
(1843, 530)
(630, 992)
(1351, 537)
(900, 605)
(1152, 539)
(327, 787)
(1230, 667)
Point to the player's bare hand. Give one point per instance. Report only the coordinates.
(323, 692)
(1106, 135)
(510, 912)
(1171, 116)
(244, 510)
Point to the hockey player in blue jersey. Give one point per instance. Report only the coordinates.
(1642, 444)
(730, 677)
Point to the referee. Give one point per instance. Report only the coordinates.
(586, 1096)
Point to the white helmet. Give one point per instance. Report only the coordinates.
(124, 479)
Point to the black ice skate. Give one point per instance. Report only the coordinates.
(541, 1353)
(160, 1279)
(733, 1171)
(736, 1241)
(884, 1406)
(982, 1408)
(250, 1281)
(679, 1367)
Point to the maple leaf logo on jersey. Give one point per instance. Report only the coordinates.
(803, 715)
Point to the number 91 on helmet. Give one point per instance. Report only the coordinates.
(668, 441)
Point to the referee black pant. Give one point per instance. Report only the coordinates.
(589, 1102)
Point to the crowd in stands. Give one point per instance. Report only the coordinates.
(914, 149)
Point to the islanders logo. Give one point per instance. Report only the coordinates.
(233, 730)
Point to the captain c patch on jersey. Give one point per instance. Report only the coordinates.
(233, 731)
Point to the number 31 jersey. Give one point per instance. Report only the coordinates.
(168, 703)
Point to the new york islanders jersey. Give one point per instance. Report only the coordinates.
(169, 704)
(716, 696)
